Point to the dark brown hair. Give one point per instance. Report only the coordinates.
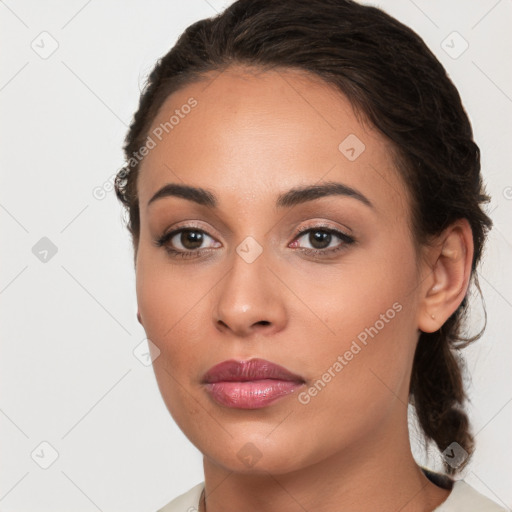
(394, 81)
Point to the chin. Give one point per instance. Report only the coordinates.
(255, 454)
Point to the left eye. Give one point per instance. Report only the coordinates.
(320, 239)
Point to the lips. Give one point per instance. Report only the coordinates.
(243, 371)
(250, 384)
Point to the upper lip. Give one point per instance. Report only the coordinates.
(253, 369)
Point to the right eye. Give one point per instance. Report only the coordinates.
(185, 242)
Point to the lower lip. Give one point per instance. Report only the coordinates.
(251, 394)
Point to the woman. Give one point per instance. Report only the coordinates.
(304, 199)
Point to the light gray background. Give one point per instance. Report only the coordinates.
(68, 374)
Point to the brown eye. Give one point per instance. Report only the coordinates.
(186, 242)
(320, 240)
(191, 239)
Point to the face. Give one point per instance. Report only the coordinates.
(322, 284)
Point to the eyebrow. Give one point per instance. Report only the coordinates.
(287, 199)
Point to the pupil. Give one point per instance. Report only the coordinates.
(191, 239)
(320, 237)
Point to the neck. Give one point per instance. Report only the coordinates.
(376, 473)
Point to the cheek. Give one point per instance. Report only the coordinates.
(171, 317)
(365, 337)
(344, 301)
(165, 294)
(163, 304)
(173, 303)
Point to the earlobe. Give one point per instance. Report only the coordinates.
(450, 271)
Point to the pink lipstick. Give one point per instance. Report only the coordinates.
(249, 384)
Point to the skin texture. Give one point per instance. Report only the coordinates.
(252, 136)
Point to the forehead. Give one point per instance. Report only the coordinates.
(245, 133)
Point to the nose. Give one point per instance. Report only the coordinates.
(249, 299)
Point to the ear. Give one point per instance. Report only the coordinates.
(448, 274)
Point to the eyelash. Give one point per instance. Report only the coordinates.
(346, 239)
